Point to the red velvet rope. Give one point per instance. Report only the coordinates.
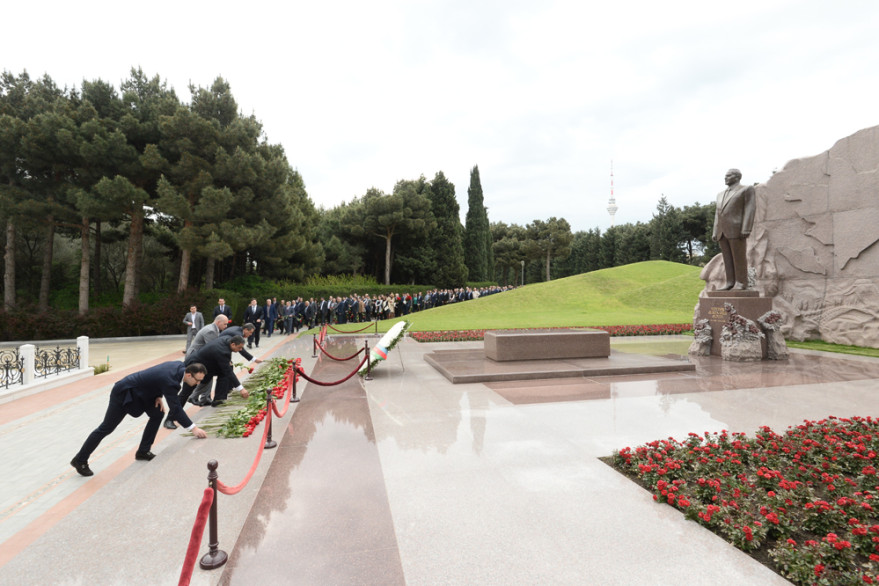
(340, 359)
(287, 395)
(370, 325)
(338, 382)
(230, 490)
(201, 518)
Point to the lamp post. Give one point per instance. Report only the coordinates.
(523, 273)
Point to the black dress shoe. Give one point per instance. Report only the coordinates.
(204, 401)
(217, 403)
(169, 424)
(147, 456)
(193, 401)
(82, 467)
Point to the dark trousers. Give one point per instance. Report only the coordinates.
(735, 259)
(113, 417)
(254, 339)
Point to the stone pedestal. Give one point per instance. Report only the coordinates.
(749, 304)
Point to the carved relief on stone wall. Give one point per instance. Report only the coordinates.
(814, 243)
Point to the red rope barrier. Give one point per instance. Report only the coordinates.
(287, 395)
(230, 490)
(201, 518)
(351, 331)
(338, 382)
(340, 359)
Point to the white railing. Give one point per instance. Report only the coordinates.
(29, 364)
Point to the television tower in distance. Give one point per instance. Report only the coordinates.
(611, 203)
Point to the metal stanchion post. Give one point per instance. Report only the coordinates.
(293, 397)
(270, 443)
(368, 370)
(314, 345)
(215, 557)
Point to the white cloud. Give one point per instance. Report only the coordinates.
(542, 96)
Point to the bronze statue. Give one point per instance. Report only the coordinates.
(732, 225)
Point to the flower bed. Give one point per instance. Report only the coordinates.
(477, 335)
(805, 502)
(273, 376)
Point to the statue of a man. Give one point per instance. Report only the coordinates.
(732, 225)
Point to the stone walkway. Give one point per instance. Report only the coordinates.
(406, 479)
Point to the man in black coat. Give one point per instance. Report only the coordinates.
(222, 308)
(139, 393)
(217, 359)
(254, 315)
(202, 394)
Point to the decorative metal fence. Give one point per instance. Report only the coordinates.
(49, 361)
(11, 368)
(27, 364)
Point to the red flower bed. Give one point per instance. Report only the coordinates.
(804, 502)
(476, 335)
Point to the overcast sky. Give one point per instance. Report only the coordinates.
(542, 96)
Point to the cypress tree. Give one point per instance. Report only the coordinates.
(448, 237)
(477, 234)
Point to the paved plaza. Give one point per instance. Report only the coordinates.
(404, 479)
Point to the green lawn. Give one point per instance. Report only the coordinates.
(654, 292)
(645, 293)
(840, 348)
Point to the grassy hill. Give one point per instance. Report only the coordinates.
(654, 292)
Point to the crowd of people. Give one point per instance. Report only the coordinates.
(289, 316)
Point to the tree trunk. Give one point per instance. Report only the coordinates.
(46, 279)
(185, 260)
(209, 273)
(9, 274)
(96, 279)
(547, 264)
(84, 267)
(135, 243)
(388, 258)
(138, 275)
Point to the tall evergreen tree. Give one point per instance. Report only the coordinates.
(477, 233)
(508, 248)
(448, 237)
(666, 233)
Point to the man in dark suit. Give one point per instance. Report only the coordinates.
(733, 221)
(217, 359)
(254, 315)
(201, 396)
(222, 308)
(269, 314)
(323, 310)
(139, 393)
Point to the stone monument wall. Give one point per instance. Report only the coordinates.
(813, 246)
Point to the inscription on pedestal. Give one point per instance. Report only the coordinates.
(750, 306)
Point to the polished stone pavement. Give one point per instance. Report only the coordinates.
(409, 479)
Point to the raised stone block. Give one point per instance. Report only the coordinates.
(506, 345)
(749, 304)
